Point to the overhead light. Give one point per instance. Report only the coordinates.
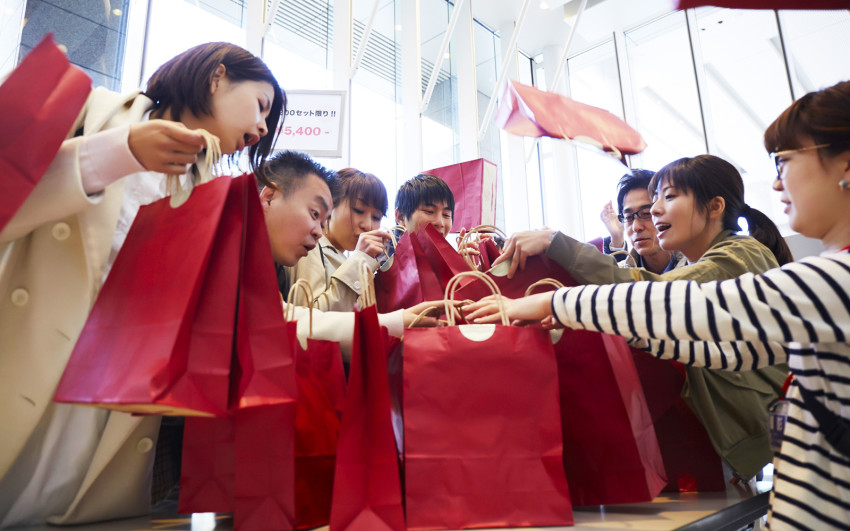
(446, 55)
(544, 4)
(398, 27)
(117, 12)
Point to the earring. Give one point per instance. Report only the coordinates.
(843, 184)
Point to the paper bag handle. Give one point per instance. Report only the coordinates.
(208, 161)
(367, 282)
(304, 286)
(543, 282)
(486, 229)
(452, 286)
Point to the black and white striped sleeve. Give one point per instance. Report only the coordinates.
(805, 302)
(719, 355)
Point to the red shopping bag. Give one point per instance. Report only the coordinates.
(536, 268)
(528, 111)
(242, 464)
(439, 254)
(40, 100)
(489, 252)
(482, 436)
(160, 338)
(367, 484)
(408, 279)
(690, 460)
(611, 454)
(473, 184)
(768, 4)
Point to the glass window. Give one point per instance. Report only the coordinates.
(93, 31)
(487, 61)
(168, 33)
(595, 80)
(439, 122)
(297, 48)
(745, 87)
(664, 90)
(815, 42)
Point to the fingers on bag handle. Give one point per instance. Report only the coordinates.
(480, 229)
(202, 171)
(421, 315)
(453, 285)
(543, 282)
(305, 288)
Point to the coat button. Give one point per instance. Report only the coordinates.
(61, 231)
(20, 297)
(356, 284)
(144, 445)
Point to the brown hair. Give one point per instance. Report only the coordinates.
(707, 177)
(823, 116)
(355, 184)
(183, 83)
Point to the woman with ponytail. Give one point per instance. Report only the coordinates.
(697, 202)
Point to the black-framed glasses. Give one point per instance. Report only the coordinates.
(779, 162)
(641, 213)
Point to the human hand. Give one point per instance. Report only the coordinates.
(521, 245)
(411, 316)
(164, 146)
(372, 242)
(613, 224)
(468, 248)
(533, 308)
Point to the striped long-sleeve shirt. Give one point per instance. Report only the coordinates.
(739, 324)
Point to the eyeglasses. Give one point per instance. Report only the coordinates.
(779, 162)
(629, 217)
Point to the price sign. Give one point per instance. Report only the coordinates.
(313, 122)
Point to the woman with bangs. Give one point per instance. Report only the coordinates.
(360, 203)
(803, 306)
(696, 206)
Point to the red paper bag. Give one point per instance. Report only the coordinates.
(367, 485)
(536, 268)
(473, 184)
(442, 258)
(242, 464)
(321, 398)
(611, 454)
(690, 460)
(489, 252)
(768, 4)
(482, 435)
(528, 111)
(159, 338)
(209, 452)
(39, 102)
(408, 279)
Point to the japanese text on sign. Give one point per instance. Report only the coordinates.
(313, 122)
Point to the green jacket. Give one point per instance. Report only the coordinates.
(731, 405)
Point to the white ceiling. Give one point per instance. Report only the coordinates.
(546, 27)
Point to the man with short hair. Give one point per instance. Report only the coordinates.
(422, 200)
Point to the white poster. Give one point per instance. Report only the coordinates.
(313, 122)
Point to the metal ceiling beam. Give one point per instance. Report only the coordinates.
(503, 71)
(438, 61)
(363, 41)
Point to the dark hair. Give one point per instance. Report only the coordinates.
(823, 116)
(355, 184)
(422, 190)
(183, 83)
(632, 181)
(707, 177)
(287, 170)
